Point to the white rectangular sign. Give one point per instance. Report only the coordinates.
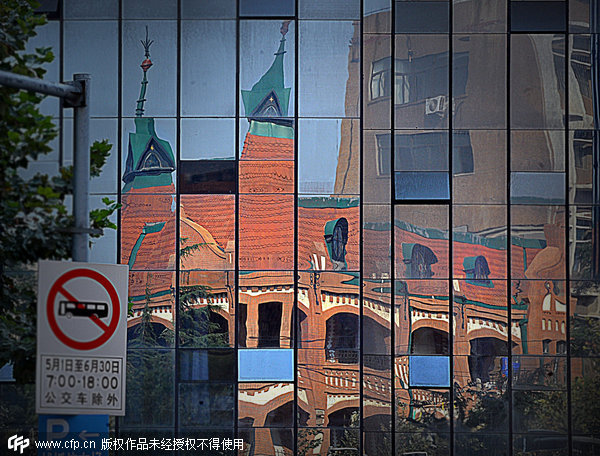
(81, 338)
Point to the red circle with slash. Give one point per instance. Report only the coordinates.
(59, 287)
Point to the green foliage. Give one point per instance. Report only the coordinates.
(34, 220)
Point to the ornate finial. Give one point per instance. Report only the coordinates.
(146, 64)
(147, 44)
(284, 27)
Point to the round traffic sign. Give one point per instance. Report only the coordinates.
(107, 329)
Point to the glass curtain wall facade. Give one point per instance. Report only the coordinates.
(352, 227)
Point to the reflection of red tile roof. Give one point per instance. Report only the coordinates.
(267, 148)
(376, 252)
(216, 213)
(311, 232)
(496, 259)
(266, 232)
(157, 250)
(266, 177)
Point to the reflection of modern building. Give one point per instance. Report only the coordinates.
(442, 288)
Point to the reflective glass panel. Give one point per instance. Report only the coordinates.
(377, 393)
(148, 158)
(160, 74)
(480, 394)
(583, 96)
(421, 242)
(320, 379)
(422, 317)
(481, 321)
(434, 444)
(206, 312)
(207, 139)
(479, 234)
(214, 9)
(90, 9)
(540, 310)
(149, 9)
(539, 372)
(585, 322)
(584, 150)
(421, 73)
(206, 365)
(266, 139)
(419, 410)
(377, 16)
(151, 389)
(267, 441)
(329, 71)
(328, 306)
(88, 55)
(376, 261)
(538, 150)
(209, 45)
(266, 230)
(333, 9)
(538, 16)
(205, 405)
(545, 410)
(537, 237)
(537, 81)
(376, 166)
(266, 176)
(479, 166)
(537, 188)
(206, 232)
(324, 440)
(151, 322)
(328, 233)
(422, 185)
(481, 444)
(378, 84)
(266, 67)
(377, 443)
(267, 7)
(584, 384)
(265, 404)
(579, 17)
(377, 315)
(207, 176)
(421, 17)
(488, 17)
(265, 308)
(148, 231)
(479, 81)
(329, 154)
(421, 151)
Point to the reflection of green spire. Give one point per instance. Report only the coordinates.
(146, 64)
(269, 90)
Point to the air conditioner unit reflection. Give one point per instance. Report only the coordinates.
(436, 105)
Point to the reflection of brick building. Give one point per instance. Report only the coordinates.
(324, 301)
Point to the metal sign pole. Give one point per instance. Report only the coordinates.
(81, 170)
(76, 95)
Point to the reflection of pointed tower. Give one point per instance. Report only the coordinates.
(269, 97)
(148, 214)
(150, 160)
(267, 173)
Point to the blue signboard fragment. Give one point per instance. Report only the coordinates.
(73, 435)
(260, 365)
(431, 371)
